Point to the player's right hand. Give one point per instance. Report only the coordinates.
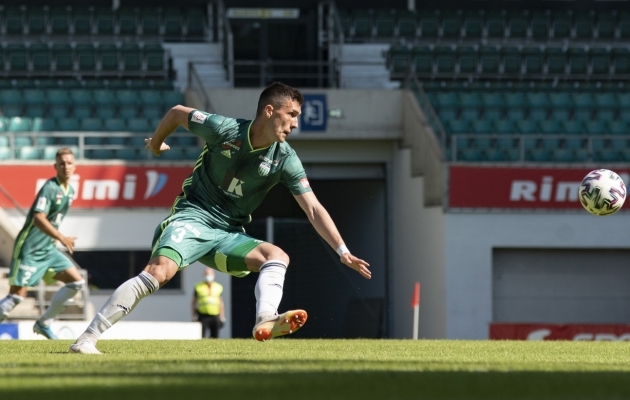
(157, 151)
(68, 242)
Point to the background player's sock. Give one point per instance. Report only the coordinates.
(269, 288)
(57, 303)
(7, 304)
(120, 303)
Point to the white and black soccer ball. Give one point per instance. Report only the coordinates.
(602, 192)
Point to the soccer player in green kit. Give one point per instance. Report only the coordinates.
(35, 254)
(240, 162)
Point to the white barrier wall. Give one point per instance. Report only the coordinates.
(123, 330)
(470, 238)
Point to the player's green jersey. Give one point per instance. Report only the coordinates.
(53, 200)
(230, 178)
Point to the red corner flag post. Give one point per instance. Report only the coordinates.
(415, 303)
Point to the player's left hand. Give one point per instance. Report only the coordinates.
(356, 264)
(163, 147)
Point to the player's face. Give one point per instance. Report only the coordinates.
(65, 166)
(285, 119)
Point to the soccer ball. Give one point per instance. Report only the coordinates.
(602, 192)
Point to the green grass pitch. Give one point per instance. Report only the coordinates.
(316, 369)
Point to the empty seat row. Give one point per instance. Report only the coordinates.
(531, 99)
(539, 155)
(82, 57)
(509, 60)
(449, 24)
(187, 23)
(531, 126)
(21, 124)
(130, 154)
(101, 97)
(527, 143)
(72, 83)
(516, 85)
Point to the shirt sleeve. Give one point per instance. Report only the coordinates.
(44, 199)
(294, 176)
(205, 125)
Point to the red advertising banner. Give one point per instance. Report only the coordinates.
(507, 187)
(597, 332)
(98, 186)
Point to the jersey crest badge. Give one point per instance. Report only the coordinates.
(263, 169)
(227, 153)
(198, 117)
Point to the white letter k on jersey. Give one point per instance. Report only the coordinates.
(235, 187)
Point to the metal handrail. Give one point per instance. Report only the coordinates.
(195, 83)
(227, 39)
(425, 104)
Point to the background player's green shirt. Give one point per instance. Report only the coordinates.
(52, 200)
(230, 178)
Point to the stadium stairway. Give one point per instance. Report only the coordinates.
(208, 61)
(364, 66)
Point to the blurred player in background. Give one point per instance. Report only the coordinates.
(240, 162)
(207, 305)
(35, 254)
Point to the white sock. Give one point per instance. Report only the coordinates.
(59, 299)
(269, 288)
(7, 304)
(119, 304)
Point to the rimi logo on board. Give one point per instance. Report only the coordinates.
(548, 190)
(110, 189)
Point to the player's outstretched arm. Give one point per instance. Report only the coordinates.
(175, 117)
(324, 225)
(41, 222)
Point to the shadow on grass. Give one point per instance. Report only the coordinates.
(130, 384)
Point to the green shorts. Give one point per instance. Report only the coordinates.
(185, 238)
(28, 272)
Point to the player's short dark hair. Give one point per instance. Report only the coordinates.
(275, 93)
(62, 151)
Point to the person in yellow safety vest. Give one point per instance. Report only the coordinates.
(208, 305)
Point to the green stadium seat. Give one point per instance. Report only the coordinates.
(99, 154)
(624, 26)
(104, 21)
(489, 59)
(605, 100)
(36, 21)
(470, 113)
(154, 55)
(584, 25)
(578, 62)
(561, 25)
(17, 56)
(573, 143)
(59, 20)
(139, 125)
(605, 25)
(128, 154)
(563, 155)
(429, 26)
(50, 152)
(173, 23)
(537, 100)
(515, 114)
(596, 127)
(444, 99)
(470, 99)
(150, 21)
(29, 153)
(619, 144)
(63, 57)
(175, 153)
(482, 126)
(44, 125)
(618, 127)
(600, 61)
(127, 98)
(472, 27)
(194, 24)
(40, 57)
(186, 140)
(527, 126)
(598, 144)
(469, 155)
(607, 156)
(506, 143)
(556, 60)
(583, 114)
(86, 57)
(127, 21)
(115, 125)
(482, 143)
(538, 155)
(572, 127)
(422, 59)
(91, 124)
(458, 126)
(540, 26)
(447, 114)
(108, 57)
(4, 126)
(82, 21)
(131, 58)
(517, 26)
(512, 60)
(127, 112)
(138, 140)
(515, 99)
(445, 59)
(152, 111)
(407, 26)
(605, 114)
(495, 25)
(550, 126)
(385, 23)
(5, 153)
(68, 124)
(505, 126)
(621, 59)
(493, 113)
(533, 60)
(19, 124)
(560, 99)
(467, 59)
(44, 140)
(560, 114)
(14, 21)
